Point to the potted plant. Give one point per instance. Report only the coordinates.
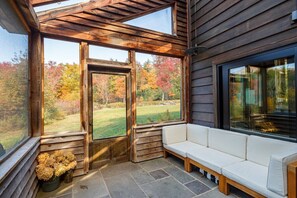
(51, 166)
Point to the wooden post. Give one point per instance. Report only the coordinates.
(132, 60)
(292, 180)
(36, 83)
(84, 105)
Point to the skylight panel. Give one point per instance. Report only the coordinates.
(160, 21)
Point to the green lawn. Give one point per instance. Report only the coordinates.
(110, 122)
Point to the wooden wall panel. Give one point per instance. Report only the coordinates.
(148, 142)
(231, 30)
(21, 180)
(73, 142)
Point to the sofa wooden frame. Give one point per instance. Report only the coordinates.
(225, 183)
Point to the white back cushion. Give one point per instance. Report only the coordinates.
(174, 134)
(277, 170)
(259, 149)
(228, 142)
(197, 134)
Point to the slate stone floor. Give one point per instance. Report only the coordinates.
(155, 178)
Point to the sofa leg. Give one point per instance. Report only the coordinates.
(292, 180)
(223, 185)
(188, 166)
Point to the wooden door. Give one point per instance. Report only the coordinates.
(109, 116)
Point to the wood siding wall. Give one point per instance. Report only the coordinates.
(232, 29)
(147, 142)
(73, 142)
(21, 180)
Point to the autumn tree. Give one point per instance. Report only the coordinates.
(168, 74)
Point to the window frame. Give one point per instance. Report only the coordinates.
(223, 107)
(7, 155)
(183, 97)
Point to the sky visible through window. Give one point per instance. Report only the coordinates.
(65, 53)
(160, 21)
(58, 5)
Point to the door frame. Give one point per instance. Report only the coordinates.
(112, 68)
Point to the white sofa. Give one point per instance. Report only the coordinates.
(256, 165)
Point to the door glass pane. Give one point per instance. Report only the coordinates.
(109, 105)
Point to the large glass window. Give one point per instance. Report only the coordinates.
(158, 88)
(61, 86)
(262, 97)
(13, 79)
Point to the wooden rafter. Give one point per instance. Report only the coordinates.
(44, 2)
(52, 14)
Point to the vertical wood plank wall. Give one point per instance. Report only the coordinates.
(147, 142)
(232, 30)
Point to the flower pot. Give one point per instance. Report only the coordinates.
(50, 185)
(69, 176)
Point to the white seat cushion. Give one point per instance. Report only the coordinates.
(251, 175)
(197, 134)
(228, 142)
(259, 149)
(182, 148)
(212, 159)
(174, 134)
(277, 171)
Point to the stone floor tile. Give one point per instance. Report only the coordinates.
(158, 174)
(176, 161)
(214, 193)
(166, 188)
(65, 188)
(178, 174)
(203, 179)
(155, 164)
(142, 177)
(197, 187)
(126, 167)
(121, 186)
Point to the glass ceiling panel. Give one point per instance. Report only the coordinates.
(58, 5)
(160, 21)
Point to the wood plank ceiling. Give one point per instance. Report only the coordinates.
(101, 22)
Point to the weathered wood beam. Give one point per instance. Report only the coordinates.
(28, 13)
(44, 2)
(52, 14)
(71, 31)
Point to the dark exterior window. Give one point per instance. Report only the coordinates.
(259, 95)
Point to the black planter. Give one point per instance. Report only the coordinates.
(50, 185)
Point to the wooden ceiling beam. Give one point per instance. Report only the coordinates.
(52, 14)
(44, 2)
(78, 32)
